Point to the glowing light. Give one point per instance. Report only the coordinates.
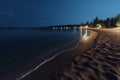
(81, 31)
(85, 38)
(86, 32)
(118, 23)
(67, 28)
(117, 28)
(99, 26)
(86, 26)
(53, 27)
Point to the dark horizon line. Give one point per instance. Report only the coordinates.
(14, 26)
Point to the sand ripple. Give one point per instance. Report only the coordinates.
(101, 62)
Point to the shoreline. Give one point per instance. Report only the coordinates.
(80, 46)
(49, 59)
(100, 62)
(27, 68)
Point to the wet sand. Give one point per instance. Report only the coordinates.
(52, 68)
(96, 58)
(100, 62)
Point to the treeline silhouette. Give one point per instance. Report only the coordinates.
(105, 23)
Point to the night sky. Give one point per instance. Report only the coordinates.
(55, 12)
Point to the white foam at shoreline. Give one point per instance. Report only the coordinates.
(46, 61)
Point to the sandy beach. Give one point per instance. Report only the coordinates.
(96, 58)
(100, 62)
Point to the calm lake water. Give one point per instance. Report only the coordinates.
(18, 47)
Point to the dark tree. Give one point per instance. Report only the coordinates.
(96, 20)
(113, 22)
(87, 23)
(82, 24)
(107, 23)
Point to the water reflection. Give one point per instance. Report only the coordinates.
(83, 34)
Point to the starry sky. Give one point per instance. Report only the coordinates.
(55, 12)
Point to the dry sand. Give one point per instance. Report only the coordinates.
(95, 59)
(101, 62)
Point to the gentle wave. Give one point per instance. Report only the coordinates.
(58, 51)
